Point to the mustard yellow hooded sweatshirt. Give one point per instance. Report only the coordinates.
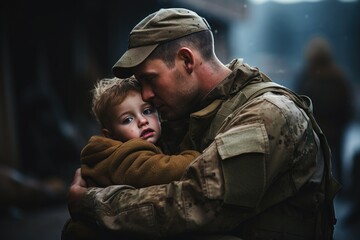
(137, 162)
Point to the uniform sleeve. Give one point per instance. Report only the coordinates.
(243, 171)
(161, 210)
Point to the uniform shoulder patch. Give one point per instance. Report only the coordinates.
(250, 138)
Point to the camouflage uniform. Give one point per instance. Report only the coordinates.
(260, 175)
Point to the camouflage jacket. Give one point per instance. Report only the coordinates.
(260, 174)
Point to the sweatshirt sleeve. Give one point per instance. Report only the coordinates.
(139, 163)
(95, 159)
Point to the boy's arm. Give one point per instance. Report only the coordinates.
(136, 162)
(154, 211)
(140, 164)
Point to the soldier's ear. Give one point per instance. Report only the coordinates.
(187, 57)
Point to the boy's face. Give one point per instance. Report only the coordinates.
(134, 118)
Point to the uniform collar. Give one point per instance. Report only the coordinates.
(240, 76)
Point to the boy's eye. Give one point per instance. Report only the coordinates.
(127, 120)
(148, 111)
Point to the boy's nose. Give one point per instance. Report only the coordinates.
(143, 121)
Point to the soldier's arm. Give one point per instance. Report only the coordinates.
(238, 161)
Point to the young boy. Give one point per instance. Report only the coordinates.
(127, 153)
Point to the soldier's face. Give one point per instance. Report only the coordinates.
(170, 89)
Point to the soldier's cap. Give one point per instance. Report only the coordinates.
(164, 25)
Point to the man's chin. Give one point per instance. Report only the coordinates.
(171, 116)
(168, 117)
(164, 116)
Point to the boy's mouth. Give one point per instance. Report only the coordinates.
(147, 133)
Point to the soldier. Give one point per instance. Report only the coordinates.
(264, 171)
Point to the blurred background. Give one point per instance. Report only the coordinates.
(52, 52)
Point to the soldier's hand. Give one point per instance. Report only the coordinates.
(76, 192)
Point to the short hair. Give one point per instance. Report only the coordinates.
(202, 41)
(109, 92)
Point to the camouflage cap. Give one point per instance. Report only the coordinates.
(161, 26)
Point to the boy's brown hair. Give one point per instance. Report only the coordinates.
(109, 92)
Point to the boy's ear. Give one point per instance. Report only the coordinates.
(106, 133)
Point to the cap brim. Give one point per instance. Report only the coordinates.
(131, 58)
